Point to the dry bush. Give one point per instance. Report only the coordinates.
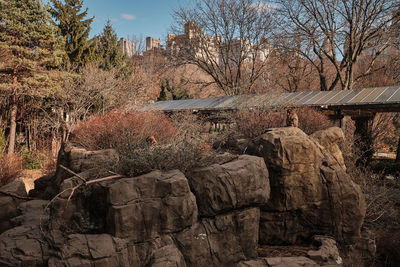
(180, 144)
(388, 247)
(312, 120)
(118, 129)
(10, 168)
(255, 122)
(383, 132)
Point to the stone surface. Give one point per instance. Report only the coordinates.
(22, 246)
(236, 184)
(221, 241)
(9, 204)
(311, 192)
(89, 164)
(262, 262)
(327, 252)
(329, 139)
(147, 206)
(31, 213)
(291, 262)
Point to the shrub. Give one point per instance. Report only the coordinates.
(387, 167)
(10, 168)
(254, 122)
(312, 120)
(180, 144)
(34, 159)
(117, 129)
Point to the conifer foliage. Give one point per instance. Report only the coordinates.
(73, 26)
(30, 51)
(108, 49)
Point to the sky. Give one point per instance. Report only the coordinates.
(140, 18)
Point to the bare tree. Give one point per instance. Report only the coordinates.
(227, 39)
(338, 33)
(293, 73)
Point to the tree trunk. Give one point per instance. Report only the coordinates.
(13, 128)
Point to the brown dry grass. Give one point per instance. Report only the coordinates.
(10, 168)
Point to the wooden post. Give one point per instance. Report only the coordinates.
(363, 139)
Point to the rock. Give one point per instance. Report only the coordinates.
(221, 241)
(327, 252)
(291, 262)
(91, 164)
(329, 139)
(168, 256)
(9, 204)
(80, 159)
(194, 245)
(23, 246)
(147, 206)
(32, 213)
(254, 263)
(236, 184)
(91, 250)
(43, 188)
(288, 149)
(311, 192)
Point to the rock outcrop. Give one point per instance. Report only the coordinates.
(9, 202)
(311, 193)
(150, 205)
(293, 187)
(236, 184)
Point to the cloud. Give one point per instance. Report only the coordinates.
(128, 16)
(260, 6)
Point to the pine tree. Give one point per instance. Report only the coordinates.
(30, 52)
(109, 49)
(73, 26)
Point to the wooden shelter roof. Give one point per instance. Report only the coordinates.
(377, 99)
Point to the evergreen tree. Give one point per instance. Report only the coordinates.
(30, 52)
(109, 50)
(73, 26)
(163, 94)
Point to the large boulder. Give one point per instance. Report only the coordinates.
(144, 207)
(223, 187)
(24, 245)
(223, 240)
(330, 140)
(311, 193)
(11, 195)
(89, 164)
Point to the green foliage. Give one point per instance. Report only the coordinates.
(29, 44)
(30, 53)
(176, 93)
(73, 26)
(163, 94)
(33, 159)
(110, 54)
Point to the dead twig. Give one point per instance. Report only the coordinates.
(73, 173)
(16, 196)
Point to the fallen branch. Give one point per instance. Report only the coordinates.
(105, 179)
(73, 173)
(16, 196)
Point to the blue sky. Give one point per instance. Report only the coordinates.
(133, 17)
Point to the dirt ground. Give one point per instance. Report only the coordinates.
(29, 176)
